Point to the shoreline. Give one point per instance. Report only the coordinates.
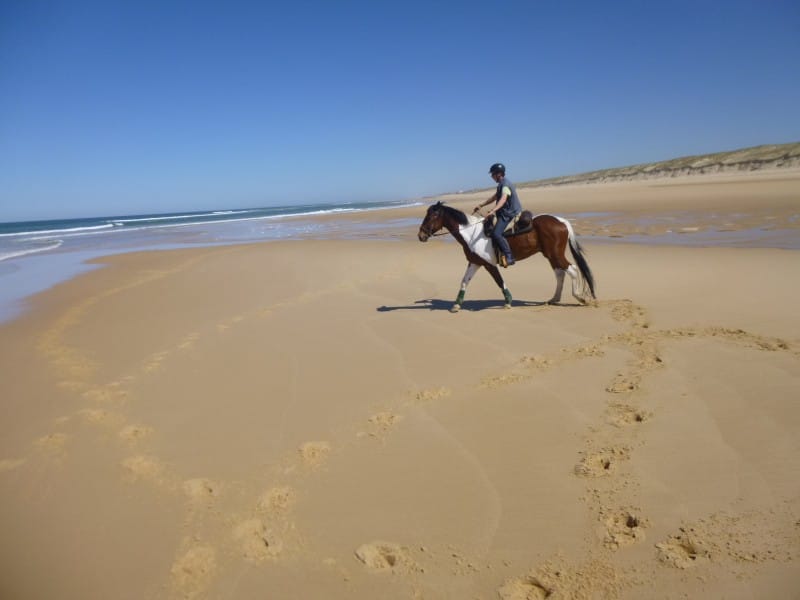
(759, 209)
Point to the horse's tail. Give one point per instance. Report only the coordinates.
(580, 259)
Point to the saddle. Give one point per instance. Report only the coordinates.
(522, 223)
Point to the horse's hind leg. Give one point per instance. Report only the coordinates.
(561, 266)
(559, 286)
(468, 275)
(576, 282)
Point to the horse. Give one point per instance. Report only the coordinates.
(547, 234)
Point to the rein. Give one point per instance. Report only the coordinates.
(446, 232)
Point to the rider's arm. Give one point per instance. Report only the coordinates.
(499, 204)
(485, 202)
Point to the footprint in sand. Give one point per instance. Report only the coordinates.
(386, 556)
(223, 326)
(134, 433)
(52, 444)
(381, 424)
(558, 579)
(432, 395)
(683, 551)
(256, 541)
(626, 310)
(623, 528)
(100, 417)
(154, 363)
(602, 463)
(189, 341)
(107, 394)
(524, 588)
(536, 361)
(193, 571)
(277, 501)
(314, 454)
(145, 468)
(589, 350)
(200, 490)
(623, 415)
(624, 383)
(496, 381)
(9, 464)
(750, 538)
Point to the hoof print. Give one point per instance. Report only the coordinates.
(386, 556)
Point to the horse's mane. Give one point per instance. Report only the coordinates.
(460, 217)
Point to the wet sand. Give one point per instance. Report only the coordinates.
(306, 419)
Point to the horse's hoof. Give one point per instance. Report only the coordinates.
(506, 306)
(455, 308)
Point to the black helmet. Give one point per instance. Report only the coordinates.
(497, 168)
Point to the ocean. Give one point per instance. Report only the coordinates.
(35, 255)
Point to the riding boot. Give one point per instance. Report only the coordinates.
(509, 259)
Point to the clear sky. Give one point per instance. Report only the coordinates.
(155, 106)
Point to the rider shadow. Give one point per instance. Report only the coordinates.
(427, 304)
(470, 305)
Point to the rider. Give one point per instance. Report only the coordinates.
(506, 207)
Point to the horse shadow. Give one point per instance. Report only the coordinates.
(432, 304)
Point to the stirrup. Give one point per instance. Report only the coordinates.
(502, 261)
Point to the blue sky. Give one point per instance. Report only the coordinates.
(132, 107)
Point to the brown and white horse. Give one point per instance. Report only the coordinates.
(548, 234)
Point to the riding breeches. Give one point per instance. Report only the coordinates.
(497, 234)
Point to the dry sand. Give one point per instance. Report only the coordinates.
(305, 419)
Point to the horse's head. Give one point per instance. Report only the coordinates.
(433, 222)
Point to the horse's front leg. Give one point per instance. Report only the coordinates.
(468, 275)
(498, 279)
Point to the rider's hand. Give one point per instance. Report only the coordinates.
(476, 209)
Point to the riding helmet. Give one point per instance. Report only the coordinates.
(497, 168)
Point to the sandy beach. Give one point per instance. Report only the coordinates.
(306, 419)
